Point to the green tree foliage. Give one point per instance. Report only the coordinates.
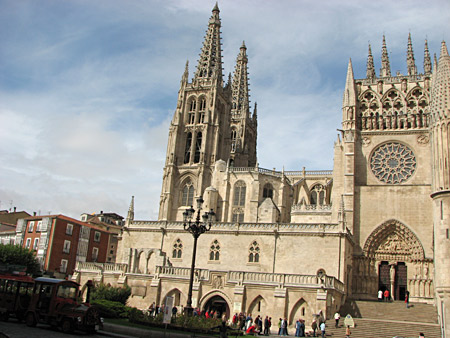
(104, 292)
(16, 255)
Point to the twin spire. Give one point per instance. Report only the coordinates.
(210, 62)
(209, 67)
(385, 70)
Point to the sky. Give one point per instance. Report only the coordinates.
(88, 87)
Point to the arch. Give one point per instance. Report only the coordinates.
(268, 190)
(258, 306)
(214, 252)
(203, 302)
(187, 191)
(254, 252)
(177, 248)
(393, 240)
(299, 310)
(176, 294)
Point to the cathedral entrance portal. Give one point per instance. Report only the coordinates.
(389, 250)
(217, 304)
(393, 277)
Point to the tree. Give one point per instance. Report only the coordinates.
(16, 255)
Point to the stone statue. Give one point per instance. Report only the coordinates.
(392, 273)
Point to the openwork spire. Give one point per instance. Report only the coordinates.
(440, 104)
(210, 62)
(426, 60)
(370, 67)
(239, 91)
(410, 61)
(385, 65)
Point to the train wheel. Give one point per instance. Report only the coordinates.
(66, 325)
(30, 319)
(4, 316)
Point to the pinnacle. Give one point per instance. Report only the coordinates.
(444, 51)
(216, 8)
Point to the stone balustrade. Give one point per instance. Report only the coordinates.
(101, 267)
(241, 227)
(311, 208)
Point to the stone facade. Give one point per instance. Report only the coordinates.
(299, 243)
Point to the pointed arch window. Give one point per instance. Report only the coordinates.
(187, 198)
(239, 194)
(202, 110)
(268, 191)
(253, 253)
(177, 249)
(198, 148)
(318, 195)
(191, 114)
(214, 252)
(233, 140)
(187, 151)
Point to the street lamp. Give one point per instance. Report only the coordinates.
(196, 228)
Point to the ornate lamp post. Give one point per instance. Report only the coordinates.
(196, 228)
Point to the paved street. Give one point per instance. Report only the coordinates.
(12, 329)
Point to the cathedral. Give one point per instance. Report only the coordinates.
(298, 243)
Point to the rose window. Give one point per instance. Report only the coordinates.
(393, 163)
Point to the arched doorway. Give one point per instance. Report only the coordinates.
(217, 304)
(388, 251)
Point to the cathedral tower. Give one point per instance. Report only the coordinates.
(211, 122)
(385, 177)
(440, 133)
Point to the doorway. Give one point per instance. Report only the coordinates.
(384, 279)
(401, 281)
(219, 305)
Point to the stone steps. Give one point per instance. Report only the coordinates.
(417, 312)
(387, 320)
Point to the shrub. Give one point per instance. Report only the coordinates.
(111, 309)
(104, 292)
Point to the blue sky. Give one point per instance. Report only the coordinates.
(88, 88)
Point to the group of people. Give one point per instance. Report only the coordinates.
(383, 296)
(245, 322)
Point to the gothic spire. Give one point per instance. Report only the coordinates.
(130, 215)
(210, 61)
(385, 66)
(370, 67)
(349, 91)
(239, 88)
(410, 61)
(426, 60)
(184, 78)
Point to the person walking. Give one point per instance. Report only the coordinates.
(322, 328)
(386, 295)
(380, 295)
(284, 327)
(279, 327)
(337, 316)
(348, 332)
(297, 328)
(266, 326)
(302, 328)
(407, 299)
(314, 327)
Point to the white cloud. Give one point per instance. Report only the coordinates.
(88, 88)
